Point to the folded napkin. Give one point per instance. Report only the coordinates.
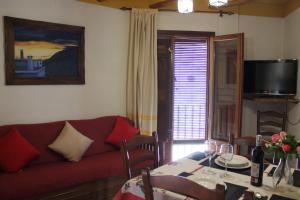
(197, 156)
(237, 161)
(296, 178)
(234, 192)
(184, 174)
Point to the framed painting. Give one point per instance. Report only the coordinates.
(43, 53)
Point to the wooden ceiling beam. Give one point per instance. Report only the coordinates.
(161, 4)
(220, 12)
(237, 2)
(253, 8)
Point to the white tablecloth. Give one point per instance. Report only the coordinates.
(135, 185)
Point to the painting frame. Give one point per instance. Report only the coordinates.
(77, 77)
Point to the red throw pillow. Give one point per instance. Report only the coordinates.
(15, 151)
(122, 131)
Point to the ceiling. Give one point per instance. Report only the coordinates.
(268, 8)
(276, 2)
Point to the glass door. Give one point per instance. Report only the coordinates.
(225, 87)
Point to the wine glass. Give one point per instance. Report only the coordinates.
(226, 152)
(211, 148)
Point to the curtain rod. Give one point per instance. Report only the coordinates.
(220, 12)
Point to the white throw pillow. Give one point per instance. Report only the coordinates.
(70, 143)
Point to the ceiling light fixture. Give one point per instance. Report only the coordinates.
(185, 6)
(217, 3)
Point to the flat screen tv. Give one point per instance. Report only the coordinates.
(270, 77)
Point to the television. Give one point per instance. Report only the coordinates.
(270, 77)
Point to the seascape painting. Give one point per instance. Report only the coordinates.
(44, 53)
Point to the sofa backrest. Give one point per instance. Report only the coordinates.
(43, 134)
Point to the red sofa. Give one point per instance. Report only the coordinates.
(50, 176)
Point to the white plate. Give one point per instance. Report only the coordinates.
(232, 167)
(236, 161)
(209, 182)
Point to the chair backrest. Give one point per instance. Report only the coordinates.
(247, 142)
(180, 185)
(270, 122)
(138, 153)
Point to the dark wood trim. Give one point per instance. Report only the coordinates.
(240, 81)
(175, 33)
(207, 84)
(165, 80)
(9, 39)
(211, 87)
(229, 37)
(220, 12)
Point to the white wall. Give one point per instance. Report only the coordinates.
(292, 50)
(106, 41)
(106, 57)
(263, 40)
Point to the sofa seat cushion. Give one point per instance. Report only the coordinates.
(45, 178)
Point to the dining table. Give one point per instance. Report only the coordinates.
(196, 167)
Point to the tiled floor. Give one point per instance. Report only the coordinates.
(182, 150)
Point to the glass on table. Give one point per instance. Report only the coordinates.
(210, 151)
(226, 153)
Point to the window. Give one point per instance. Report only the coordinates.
(190, 89)
(182, 91)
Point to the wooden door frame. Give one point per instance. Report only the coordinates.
(239, 74)
(169, 34)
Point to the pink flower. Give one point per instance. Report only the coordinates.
(276, 138)
(286, 147)
(282, 134)
(298, 149)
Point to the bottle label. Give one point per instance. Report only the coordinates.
(255, 170)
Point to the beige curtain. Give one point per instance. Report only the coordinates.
(142, 70)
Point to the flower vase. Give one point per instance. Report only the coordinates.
(283, 173)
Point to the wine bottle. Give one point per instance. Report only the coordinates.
(257, 166)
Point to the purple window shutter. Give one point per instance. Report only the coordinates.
(190, 88)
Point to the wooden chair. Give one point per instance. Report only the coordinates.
(248, 142)
(139, 151)
(270, 122)
(180, 185)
